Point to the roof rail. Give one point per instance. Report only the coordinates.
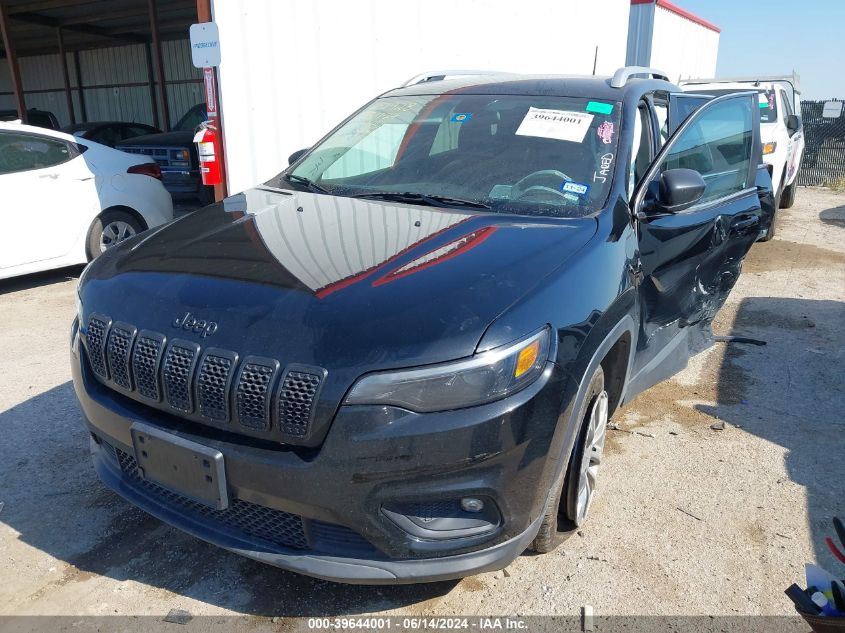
(621, 76)
(439, 75)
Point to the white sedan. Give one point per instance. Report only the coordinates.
(65, 200)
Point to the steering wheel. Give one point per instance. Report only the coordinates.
(538, 182)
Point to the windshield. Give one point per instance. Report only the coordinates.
(191, 119)
(515, 154)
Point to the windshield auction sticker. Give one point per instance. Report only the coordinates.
(563, 125)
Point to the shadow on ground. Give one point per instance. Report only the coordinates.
(834, 216)
(36, 280)
(789, 392)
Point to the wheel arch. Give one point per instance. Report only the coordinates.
(117, 207)
(616, 350)
(121, 207)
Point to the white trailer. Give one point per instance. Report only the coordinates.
(665, 36)
(292, 70)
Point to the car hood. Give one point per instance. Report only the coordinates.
(164, 139)
(348, 285)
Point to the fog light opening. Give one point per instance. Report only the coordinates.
(470, 504)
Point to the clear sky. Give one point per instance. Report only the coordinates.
(776, 36)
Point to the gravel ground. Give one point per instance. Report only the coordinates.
(690, 520)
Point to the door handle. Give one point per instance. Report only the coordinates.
(53, 176)
(741, 225)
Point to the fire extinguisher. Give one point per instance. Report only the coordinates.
(206, 140)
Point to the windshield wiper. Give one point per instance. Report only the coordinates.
(305, 182)
(431, 200)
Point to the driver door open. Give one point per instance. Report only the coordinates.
(690, 260)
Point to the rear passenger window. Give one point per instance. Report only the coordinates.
(718, 146)
(24, 152)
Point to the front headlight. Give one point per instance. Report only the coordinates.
(465, 383)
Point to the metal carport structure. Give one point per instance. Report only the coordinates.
(92, 59)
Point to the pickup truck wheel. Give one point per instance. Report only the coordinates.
(787, 198)
(110, 228)
(572, 493)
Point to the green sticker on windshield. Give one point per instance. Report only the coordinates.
(599, 108)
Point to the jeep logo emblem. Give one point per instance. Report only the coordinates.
(190, 323)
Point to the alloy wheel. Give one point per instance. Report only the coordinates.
(114, 232)
(591, 460)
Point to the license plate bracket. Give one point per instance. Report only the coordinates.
(187, 468)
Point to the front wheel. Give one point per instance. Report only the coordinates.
(787, 199)
(572, 494)
(110, 228)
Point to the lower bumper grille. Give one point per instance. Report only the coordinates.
(274, 527)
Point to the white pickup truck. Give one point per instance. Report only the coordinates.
(781, 130)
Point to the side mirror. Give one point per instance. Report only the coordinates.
(793, 123)
(297, 155)
(676, 190)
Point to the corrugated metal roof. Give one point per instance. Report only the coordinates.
(88, 24)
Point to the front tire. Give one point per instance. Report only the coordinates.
(110, 228)
(773, 226)
(573, 491)
(787, 198)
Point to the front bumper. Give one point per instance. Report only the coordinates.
(373, 459)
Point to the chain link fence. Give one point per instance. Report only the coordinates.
(824, 153)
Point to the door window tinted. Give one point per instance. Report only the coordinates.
(718, 146)
(23, 152)
(106, 136)
(787, 107)
(131, 131)
(641, 156)
(662, 112)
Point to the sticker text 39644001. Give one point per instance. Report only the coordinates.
(563, 125)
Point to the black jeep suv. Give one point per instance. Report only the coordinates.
(395, 361)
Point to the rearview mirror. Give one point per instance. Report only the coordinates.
(793, 123)
(677, 189)
(297, 155)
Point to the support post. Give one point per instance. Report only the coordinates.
(65, 75)
(83, 112)
(221, 190)
(151, 75)
(12, 59)
(162, 86)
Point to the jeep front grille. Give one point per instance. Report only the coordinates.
(214, 382)
(178, 373)
(297, 395)
(211, 386)
(145, 363)
(121, 338)
(255, 385)
(97, 335)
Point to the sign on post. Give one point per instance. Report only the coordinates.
(205, 45)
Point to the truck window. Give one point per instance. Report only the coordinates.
(768, 106)
(787, 106)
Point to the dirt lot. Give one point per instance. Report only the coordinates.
(690, 520)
